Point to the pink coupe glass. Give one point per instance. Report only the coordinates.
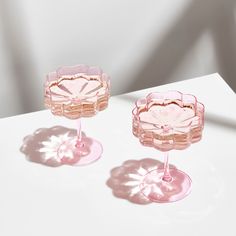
(75, 92)
(166, 121)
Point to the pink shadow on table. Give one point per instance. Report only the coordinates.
(42, 146)
(126, 179)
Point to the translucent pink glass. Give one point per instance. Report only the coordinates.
(75, 92)
(167, 121)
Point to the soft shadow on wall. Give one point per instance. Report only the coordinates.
(167, 55)
(25, 78)
(214, 16)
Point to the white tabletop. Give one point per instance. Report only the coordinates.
(40, 200)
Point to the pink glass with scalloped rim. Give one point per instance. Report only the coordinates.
(75, 92)
(167, 121)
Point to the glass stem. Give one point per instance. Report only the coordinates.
(79, 134)
(166, 176)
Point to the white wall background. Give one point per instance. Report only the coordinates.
(139, 43)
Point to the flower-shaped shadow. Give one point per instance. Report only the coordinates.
(43, 145)
(125, 180)
(77, 91)
(169, 120)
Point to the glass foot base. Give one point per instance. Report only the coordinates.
(89, 150)
(158, 190)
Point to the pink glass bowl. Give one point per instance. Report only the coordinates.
(167, 121)
(75, 92)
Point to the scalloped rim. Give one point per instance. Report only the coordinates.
(79, 70)
(144, 102)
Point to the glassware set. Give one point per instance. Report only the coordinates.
(164, 121)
